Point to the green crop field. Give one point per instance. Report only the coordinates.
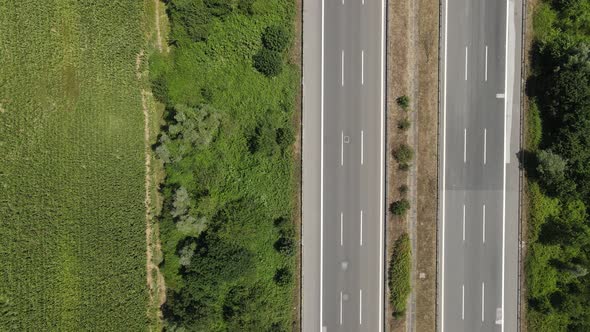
(72, 216)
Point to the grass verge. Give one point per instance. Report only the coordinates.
(227, 226)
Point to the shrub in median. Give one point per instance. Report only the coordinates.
(403, 102)
(403, 155)
(276, 38)
(399, 275)
(400, 208)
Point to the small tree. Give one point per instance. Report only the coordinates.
(404, 154)
(403, 102)
(275, 38)
(268, 62)
(283, 276)
(404, 124)
(400, 208)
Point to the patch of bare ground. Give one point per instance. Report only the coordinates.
(413, 71)
(528, 11)
(152, 112)
(296, 58)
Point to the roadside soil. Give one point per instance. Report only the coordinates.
(152, 112)
(412, 70)
(296, 58)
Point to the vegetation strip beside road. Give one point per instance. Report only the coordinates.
(557, 164)
(227, 228)
(72, 190)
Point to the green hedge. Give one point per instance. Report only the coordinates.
(399, 275)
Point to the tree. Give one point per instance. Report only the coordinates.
(551, 168)
(404, 154)
(180, 203)
(276, 38)
(403, 102)
(283, 276)
(268, 62)
(404, 124)
(400, 208)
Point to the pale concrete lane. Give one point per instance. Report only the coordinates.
(473, 251)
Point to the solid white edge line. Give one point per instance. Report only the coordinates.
(341, 228)
(465, 146)
(340, 307)
(382, 219)
(444, 155)
(361, 306)
(485, 146)
(362, 67)
(463, 222)
(463, 302)
(361, 228)
(486, 71)
(466, 60)
(322, 179)
(483, 297)
(362, 147)
(504, 164)
(484, 224)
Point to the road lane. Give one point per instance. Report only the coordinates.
(350, 265)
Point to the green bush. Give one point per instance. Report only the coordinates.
(285, 137)
(404, 154)
(403, 102)
(400, 208)
(399, 275)
(268, 62)
(276, 38)
(404, 124)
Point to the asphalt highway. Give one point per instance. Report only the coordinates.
(480, 114)
(343, 165)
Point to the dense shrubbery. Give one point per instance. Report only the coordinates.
(399, 275)
(229, 247)
(559, 178)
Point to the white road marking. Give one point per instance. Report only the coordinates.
(341, 228)
(382, 181)
(466, 60)
(342, 67)
(362, 147)
(361, 307)
(486, 71)
(361, 227)
(499, 95)
(465, 146)
(504, 164)
(484, 224)
(340, 308)
(342, 150)
(363, 66)
(463, 222)
(322, 179)
(444, 157)
(462, 302)
(483, 297)
(485, 145)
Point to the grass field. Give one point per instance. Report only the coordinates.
(72, 215)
